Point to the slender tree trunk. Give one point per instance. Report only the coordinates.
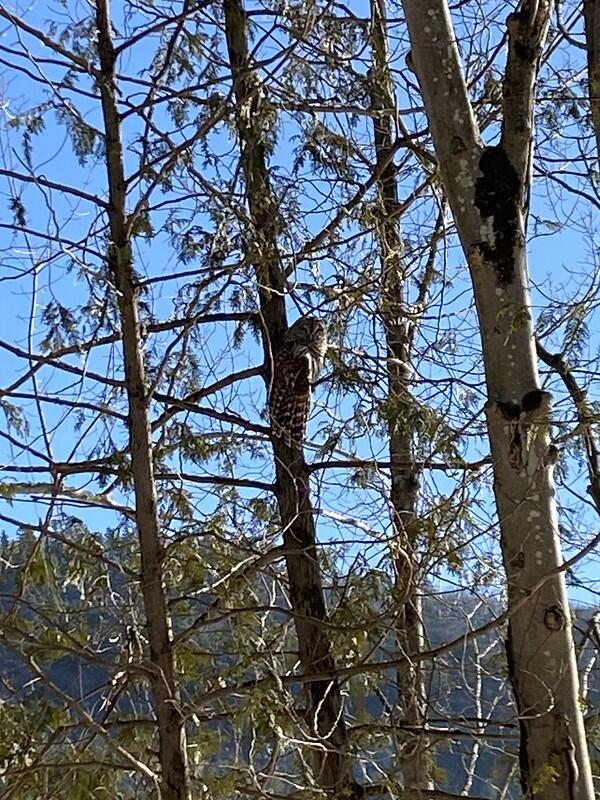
(171, 730)
(332, 767)
(591, 15)
(404, 474)
(585, 417)
(488, 189)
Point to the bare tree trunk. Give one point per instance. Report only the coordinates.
(488, 190)
(171, 729)
(332, 767)
(404, 474)
(591, 15)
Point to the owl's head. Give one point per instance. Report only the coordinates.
(310, 335)
(310, 331)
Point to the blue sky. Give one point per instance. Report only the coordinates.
(563, 259)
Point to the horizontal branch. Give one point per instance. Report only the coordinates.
(76, 404)
(223, 416)
(58, 239)
(216, 480)
(106, 467)
(61, 493)
(358, 463)
(60, 187)
(52, 360)
(223, 383)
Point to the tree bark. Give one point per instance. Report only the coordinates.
(488, 189)
(585, 417)
(332, 767)
(591, 16)
(165, 687)
(404, 474)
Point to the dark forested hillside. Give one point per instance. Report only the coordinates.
(71, 656)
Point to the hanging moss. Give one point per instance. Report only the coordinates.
(497, 195)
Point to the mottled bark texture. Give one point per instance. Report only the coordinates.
(591, 15)
(165, 686)
(414, 760)
(332, 768)
(488, 190)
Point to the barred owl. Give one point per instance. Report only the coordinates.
(296, 364)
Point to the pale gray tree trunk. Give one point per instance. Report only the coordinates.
(332, 767)
(165, 685)
(488, 188)
(415, 759)
(591, 15)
